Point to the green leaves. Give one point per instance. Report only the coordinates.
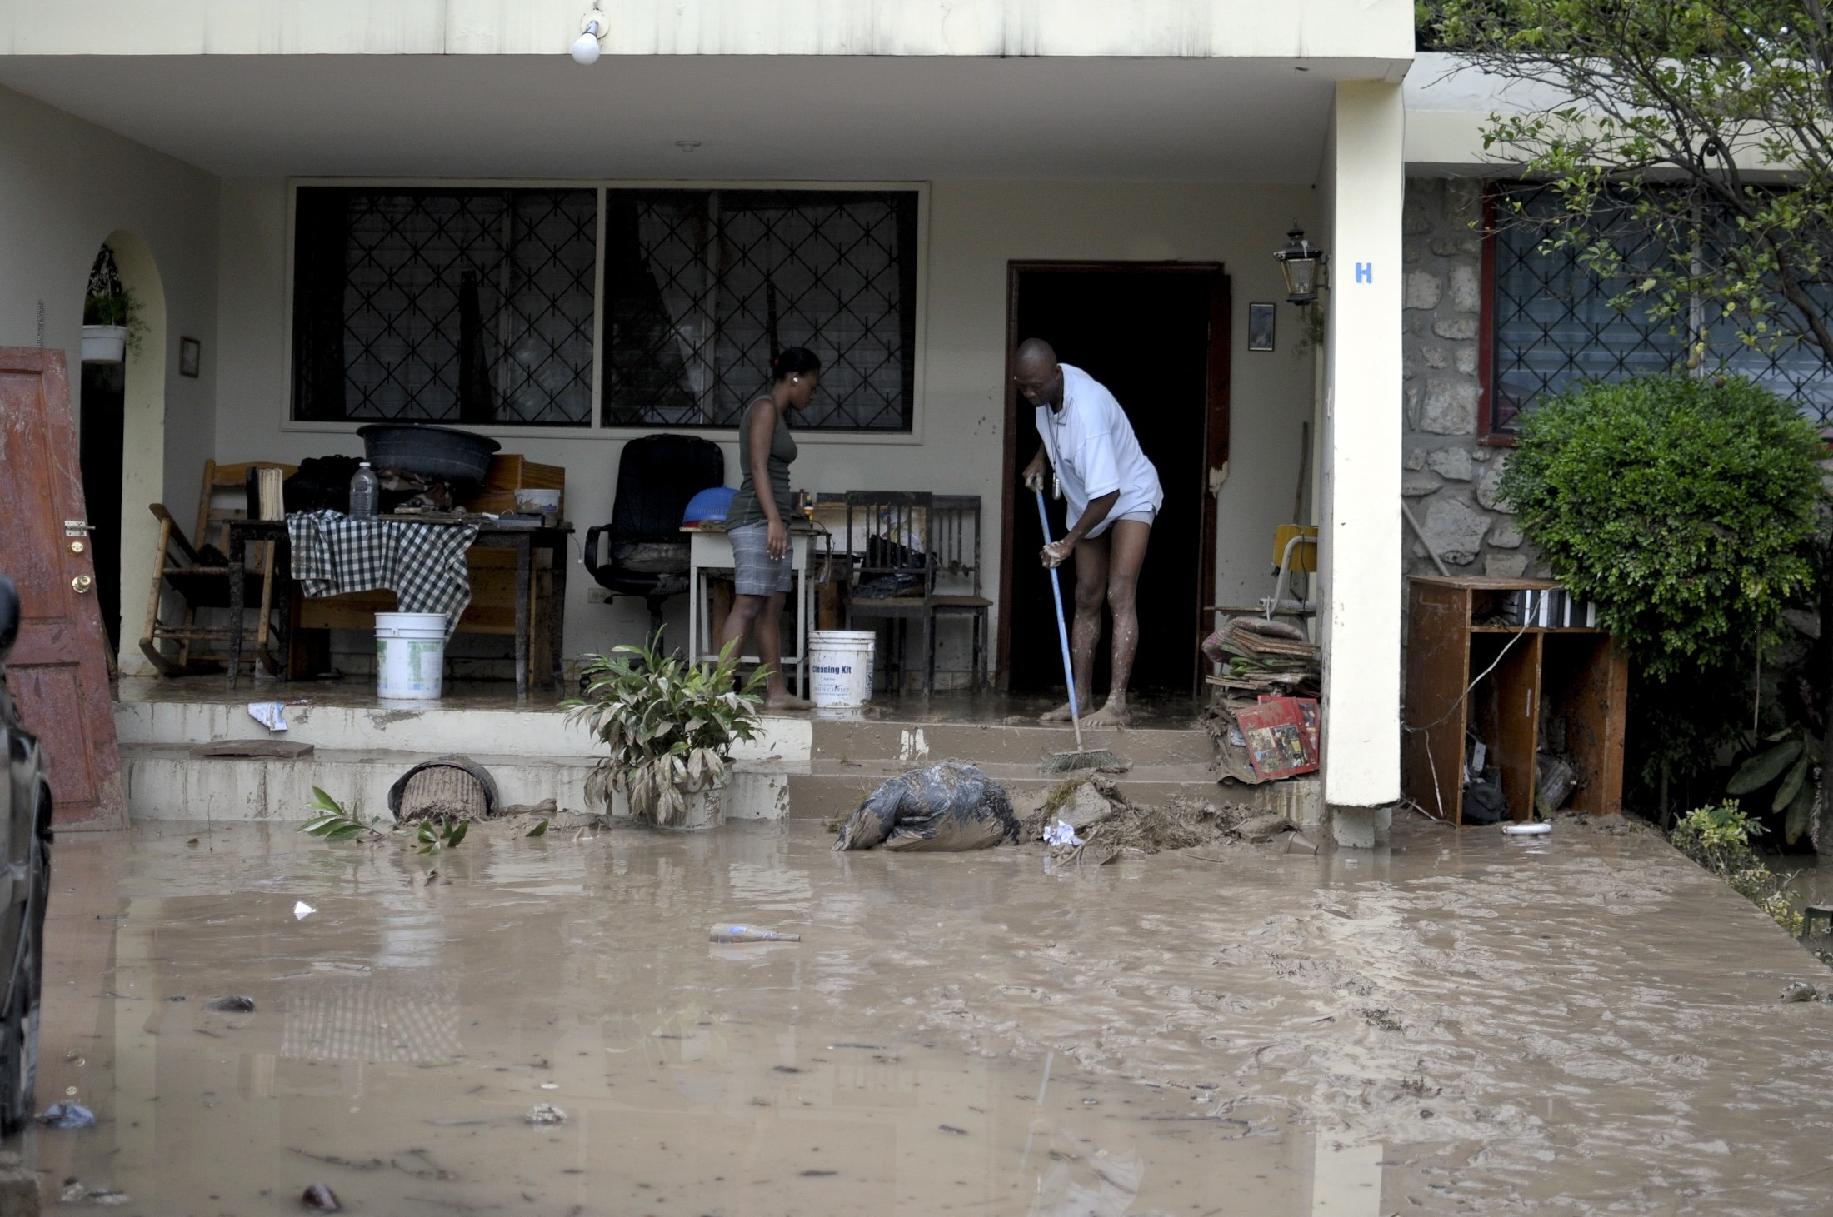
(1685, 108)
(668, 727)
(440, 832)
(1684, 506)
(334, 823)
(1765, 767)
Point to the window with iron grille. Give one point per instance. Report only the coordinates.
(1553, 326)
(703, 286)
(467, 305)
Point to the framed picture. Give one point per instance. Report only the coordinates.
(1260, 319)
(190, 351)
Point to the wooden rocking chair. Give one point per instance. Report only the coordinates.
(188, 578)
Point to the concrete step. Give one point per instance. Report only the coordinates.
(833, 788)
(919, 743)
(172, 783)
(431, 730)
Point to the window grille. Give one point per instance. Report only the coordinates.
(1554, 327)
(702, 286)
(444, 305)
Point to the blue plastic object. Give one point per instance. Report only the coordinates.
(710, 504)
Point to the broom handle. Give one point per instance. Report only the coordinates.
(1056, 590)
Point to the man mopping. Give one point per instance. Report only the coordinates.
(1113, 495)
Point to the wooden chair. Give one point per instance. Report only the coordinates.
(894, 578)
(954, 529)
(191, 578)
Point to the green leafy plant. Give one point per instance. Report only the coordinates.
(1784, 765)
(121, 308)
(668, 726)
(440, 832)
(1718, 838)
(1684, 507)
(333, 823)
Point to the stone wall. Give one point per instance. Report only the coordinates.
(1449, 483)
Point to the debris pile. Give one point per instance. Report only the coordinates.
(1266, 740)
(1102, 824)
(1260, 657)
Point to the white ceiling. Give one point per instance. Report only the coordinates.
(783, 118)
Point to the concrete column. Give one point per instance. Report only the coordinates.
(1364, 189)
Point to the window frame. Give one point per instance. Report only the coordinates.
(596, 430)
(1488, 434)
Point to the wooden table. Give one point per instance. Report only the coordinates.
(523, 541)
(710, 550)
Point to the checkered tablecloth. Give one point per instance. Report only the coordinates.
(423, 564)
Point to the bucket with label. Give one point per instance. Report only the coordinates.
(840, 667)
(410, 655)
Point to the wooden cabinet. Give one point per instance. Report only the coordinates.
(1529, 688)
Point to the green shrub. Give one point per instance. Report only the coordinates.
(1718, 838)
(1684, 507)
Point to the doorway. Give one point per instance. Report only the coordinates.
(122, 448)
(104, 399)
(1156, 334)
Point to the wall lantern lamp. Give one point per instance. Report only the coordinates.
(591, 34)
(1300, 262)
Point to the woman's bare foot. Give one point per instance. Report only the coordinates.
(1114, 714)
(785, 704)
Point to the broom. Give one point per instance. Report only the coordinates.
(1081, 758)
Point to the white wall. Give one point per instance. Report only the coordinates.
(718, 27)
(975, 228)
(65, 185)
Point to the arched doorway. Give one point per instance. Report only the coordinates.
(122, 420)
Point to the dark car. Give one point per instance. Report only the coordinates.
(25, 885)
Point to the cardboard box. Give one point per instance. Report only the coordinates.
(510, 472)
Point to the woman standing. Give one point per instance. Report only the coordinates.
(758, 521)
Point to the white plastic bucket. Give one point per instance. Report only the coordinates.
(410, 655)
(840, 667)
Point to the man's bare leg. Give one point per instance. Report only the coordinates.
(1085, 634)
(1127, 553)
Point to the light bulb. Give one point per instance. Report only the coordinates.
(585, 48)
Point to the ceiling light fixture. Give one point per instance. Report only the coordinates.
(592, 33)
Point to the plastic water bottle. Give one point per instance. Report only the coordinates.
(729, 932)
(363, 490)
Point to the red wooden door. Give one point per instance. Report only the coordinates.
(58, 671)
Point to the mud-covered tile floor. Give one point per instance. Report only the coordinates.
(1460, 1023)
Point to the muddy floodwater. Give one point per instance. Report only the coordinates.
(1460, 1023)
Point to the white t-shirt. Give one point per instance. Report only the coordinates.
(1094, 452)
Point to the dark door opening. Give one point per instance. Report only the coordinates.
(1145, 331)
(103, 420)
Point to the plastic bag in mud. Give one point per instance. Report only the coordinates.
(950, 806)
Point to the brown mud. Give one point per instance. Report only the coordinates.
(1462, 1023)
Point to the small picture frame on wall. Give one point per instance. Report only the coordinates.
(190, 353)
(1260, 321)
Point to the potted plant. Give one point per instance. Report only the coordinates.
(669, 727)
(112, 324)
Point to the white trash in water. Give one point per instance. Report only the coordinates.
(410, 655)
(840, 667)
(1527, 830)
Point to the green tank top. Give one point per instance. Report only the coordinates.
(745, 507)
